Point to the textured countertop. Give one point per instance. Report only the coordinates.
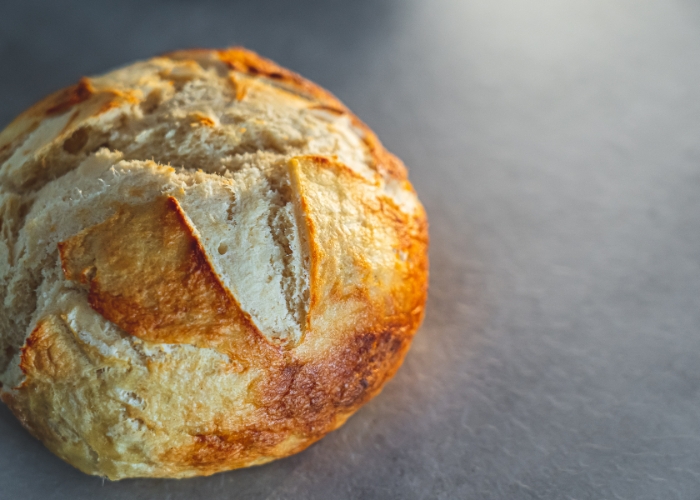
(556, 147)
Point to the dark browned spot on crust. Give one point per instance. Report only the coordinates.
(309, 397)
(76, 141)
(214, 449)
(72, 96)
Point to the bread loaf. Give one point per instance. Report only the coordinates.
(206, 262)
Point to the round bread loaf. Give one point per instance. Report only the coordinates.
(206, 262)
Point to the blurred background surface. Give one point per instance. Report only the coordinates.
(555, 145)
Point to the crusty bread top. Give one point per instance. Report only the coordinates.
(190, 232)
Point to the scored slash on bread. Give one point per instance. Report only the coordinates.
(147, 273)
(207, 263)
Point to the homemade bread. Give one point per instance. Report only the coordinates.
(206, 262)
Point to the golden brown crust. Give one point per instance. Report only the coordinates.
(147, 273)
(145, 270)
(346, 272)
(248, 62)
(49, 360)
(83, 98)
(41, 354)
(100, 99)
(71, 96)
